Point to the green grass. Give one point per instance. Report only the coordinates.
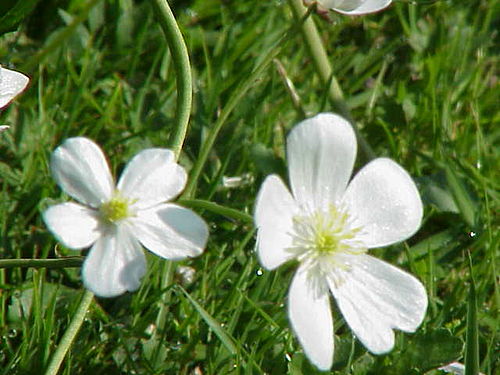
(421, 81)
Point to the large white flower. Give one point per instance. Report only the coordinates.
(117, 220)
(328, 223)
(355, 7)
(12, 83)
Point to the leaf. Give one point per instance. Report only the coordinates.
(462, 197)
(436, 191)
(266, 161)
(426, 351)
(472, 339)
(13, 12)
(212, 323)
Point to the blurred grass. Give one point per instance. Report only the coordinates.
(421, 79)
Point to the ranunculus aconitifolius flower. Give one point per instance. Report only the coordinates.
(355, 7)
(327, 223)
(12, 83)
(116, 221)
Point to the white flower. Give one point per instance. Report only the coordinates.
(12, 83)
(328, 224)
(355, 7)
(117, 220)
(455, 368)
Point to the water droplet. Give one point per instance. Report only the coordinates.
(259, 272)
(472, 234)
(12, 333)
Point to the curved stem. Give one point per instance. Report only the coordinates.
(324, 69)
(238, 95)
(70, 334)
(182, 66)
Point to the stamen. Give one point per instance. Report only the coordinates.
(116, 209)
(324, 240)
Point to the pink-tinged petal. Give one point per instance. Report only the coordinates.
(171, 231)
(152, 177)
(321, 152)
(74, 225)
(375, 298)
(274, 212)
(115, 264)
(81, 170)
(12, 83)
(384, 201)
(356, 7)
(311, 317)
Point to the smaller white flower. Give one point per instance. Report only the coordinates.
(12, 83)
(328, 224)
(4, 127)
(355, 7)
(117, 220)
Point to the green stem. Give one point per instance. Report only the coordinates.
(322, 64)
(182, 66)
(70, 334)
(42, 263)
(217, 208)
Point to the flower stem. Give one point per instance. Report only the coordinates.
(182, 66)
(324, 69)
(70, 334)
(234, 100)
(42, 263)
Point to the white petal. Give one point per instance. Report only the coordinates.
(12, 83)
(311, 318)
(355, 7)
(321, 153)
(376, 298)
(274, 211)
(383, 200)
(115, 264)
(4, 127)
(152, 177)
(74, 225)
(171, 231)
(81, 170)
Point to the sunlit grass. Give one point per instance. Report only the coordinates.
(421, 82)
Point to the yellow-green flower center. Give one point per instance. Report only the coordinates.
(116, 209)
(325, 240)
(324, 232)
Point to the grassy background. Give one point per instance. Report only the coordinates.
(421, 81)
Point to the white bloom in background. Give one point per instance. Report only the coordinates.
(355, 7)
(327, 224)
(117, 220)
(4, 127)
(455, 368)
(12, 83)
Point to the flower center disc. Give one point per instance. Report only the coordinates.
(115, 209)
(325, 234)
